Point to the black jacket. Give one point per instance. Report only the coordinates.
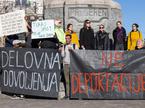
(102, 41)
(87, 38)
(121, 40)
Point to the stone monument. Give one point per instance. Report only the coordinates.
(105, 12)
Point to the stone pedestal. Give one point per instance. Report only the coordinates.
(105, 12)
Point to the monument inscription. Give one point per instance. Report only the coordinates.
(83, 13)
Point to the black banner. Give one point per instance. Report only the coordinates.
(107, 74)
(33, 72)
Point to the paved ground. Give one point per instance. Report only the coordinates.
(7, 102)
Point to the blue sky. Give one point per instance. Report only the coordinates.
(133, 11)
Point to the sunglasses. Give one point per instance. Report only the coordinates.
(101, 27)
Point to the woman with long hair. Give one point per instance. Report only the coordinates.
(69, 31)
(102, 39)
(87, 36)
(133, 37)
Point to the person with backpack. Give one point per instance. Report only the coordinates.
(65, 53)
(87, 36)
(133, 37)
(119, 35)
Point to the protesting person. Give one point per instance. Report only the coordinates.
(75, 39)
(140, 45)
(102, 39)
(34, 42)
(28, 34)
(66, 61)
(9, 40)
(48, 43)
(60, 35)
(119, 35)
(57, 40)
(133, 37)
(87, 36)
(12, 41)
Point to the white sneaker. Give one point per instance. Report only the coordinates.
(15, 97)
(21, 96)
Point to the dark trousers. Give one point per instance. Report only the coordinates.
(119, 47)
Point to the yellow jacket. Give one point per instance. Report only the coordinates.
(133, 37)
(75, 39)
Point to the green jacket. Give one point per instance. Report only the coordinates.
(60, 34)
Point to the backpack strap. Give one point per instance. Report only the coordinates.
(64, 47)
(74, 46)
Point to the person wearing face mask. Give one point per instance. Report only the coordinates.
(102, 39)
(87, 36)
(119, 35)
(133, 37)
(74, 35)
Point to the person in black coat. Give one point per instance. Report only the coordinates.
(102, 39)
(87, 36)
(119, 35)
